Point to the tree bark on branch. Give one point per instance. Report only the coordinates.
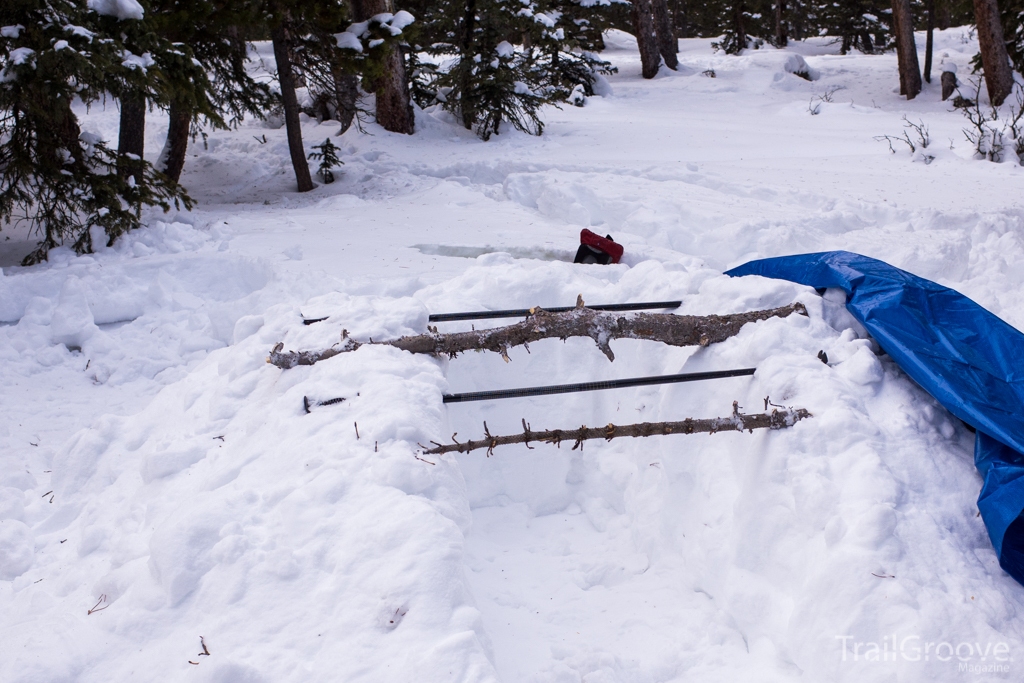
(674, 330)
(737, 422)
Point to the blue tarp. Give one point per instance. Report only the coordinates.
(967, 358)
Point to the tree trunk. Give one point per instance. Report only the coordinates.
(994, 59)
(465, 66)
(286, 78)
(179, 124)
(943, 17)
(394, 107)
(929, 42)
(866, 46)
(948, 84)
(679, 19)
(131, 135)
(346, 89)
(739, 27)
(668, 45)
(646, 38)
(906, 49)
(781, 34)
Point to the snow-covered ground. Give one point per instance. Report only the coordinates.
(160, 482)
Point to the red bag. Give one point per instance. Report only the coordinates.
(597, 249)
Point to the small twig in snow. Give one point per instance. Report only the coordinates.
(96, 607)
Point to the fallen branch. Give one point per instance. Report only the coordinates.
(737, 422)
(674, 330)
(96, 607)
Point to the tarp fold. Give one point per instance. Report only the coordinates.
(969, 359)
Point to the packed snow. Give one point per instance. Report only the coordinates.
(169, 511)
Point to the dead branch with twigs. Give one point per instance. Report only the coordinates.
(674, 330)
(737, 422)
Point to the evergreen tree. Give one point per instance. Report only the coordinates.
(1012, 15)
(370, 51)
(569, 34)
(511, 58)
(862, 24)
(327, 155)
(745, 24)
(216, 33)
(390, 83)
(153, 70)
(59, 179)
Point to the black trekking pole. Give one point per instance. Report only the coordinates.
(524, 312)
(595, 386)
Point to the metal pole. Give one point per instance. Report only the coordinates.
(524, 312)
(595, 386)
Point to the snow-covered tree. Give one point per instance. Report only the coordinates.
(384, 67)
(215, 36)
(59, 179)
(511, 57)
(1012, 14)
(861, 24)
(569, 35)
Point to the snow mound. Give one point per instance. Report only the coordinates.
(225, 499)
(122, 9)
(796, 65)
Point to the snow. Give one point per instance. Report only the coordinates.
(504, 49)
(11, 31)
(544, 19)
(122, 9)
(402, 19)
(162, 482)
(349, 41)
(134, 61)
(20, 55)
(80, 31)
(796, 65)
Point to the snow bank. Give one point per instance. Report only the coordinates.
(223, 500)
(162, 483)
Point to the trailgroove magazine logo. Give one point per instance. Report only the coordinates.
(970, 657)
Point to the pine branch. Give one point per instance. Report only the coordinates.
(737, 422)
(674, 330)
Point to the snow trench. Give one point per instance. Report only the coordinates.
(323, 546)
